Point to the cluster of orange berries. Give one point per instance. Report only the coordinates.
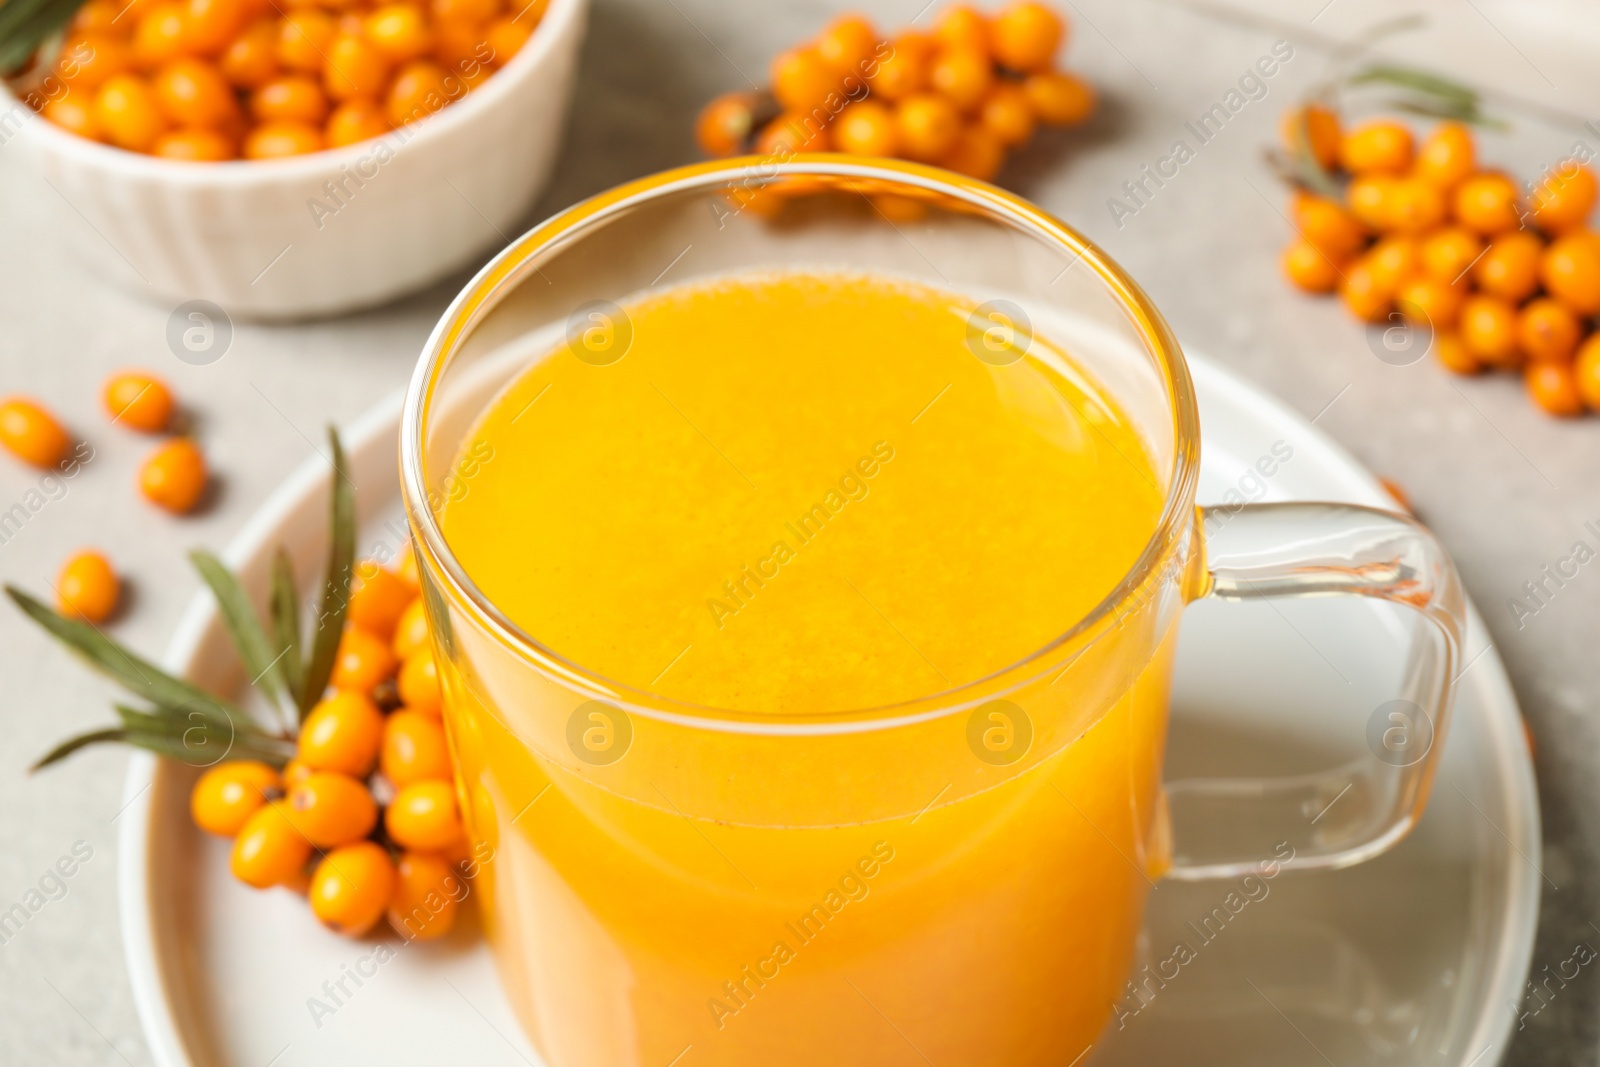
(173, 477)
(1502, 281)
(363, 819)
(210, 80)
(960, 97)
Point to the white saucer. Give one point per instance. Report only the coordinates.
(1414, 958)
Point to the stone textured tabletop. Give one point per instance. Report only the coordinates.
(1507, 489)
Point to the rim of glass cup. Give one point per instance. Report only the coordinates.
(508, 268)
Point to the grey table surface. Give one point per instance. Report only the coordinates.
(1506, 488)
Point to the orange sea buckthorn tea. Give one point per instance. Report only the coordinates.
(803, 633)
(796, 495)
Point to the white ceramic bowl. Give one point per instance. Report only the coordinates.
(249, 237)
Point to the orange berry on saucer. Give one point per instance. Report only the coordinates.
(724, 126)
(343, 734)
(976, 154)
(962, 75)
(89, 61)
(75, 114)
(846, 45)
(961, 26)
(1510, 268)
(1447, 155)
(1060, 99)
(419, 682)
(292, 98)
(303, 39)
(1548, 331)
(138, 401)
(192, 92)
(1429, 302)
(1414, 206)
(332, 809)
(128, 113)
(464, 12)
(1565, 198)
(1554, 388)
(1378, 147)
(414, 748)
(355, 120)
(174, 476)
(226, 795)
(427, 893)
(1024, 37)
(1309, 269)
(378, 597)
(865, 128)
(1448, 253)
(411, 632)
(88, 588)
(194, 146)
(505, 38)
(928, 126)
(1366, 291)
(802, 80)
(162, 34)
(355, 67)
(268, 850)
(31, 433)
(1008, 114)
(363, 661)
(351, 888)
(251, 60)
(295, 772)
(1314, 127)
(791, 133)
(1453, 354)
(1488, 327)
(903, 70)
(210, 25)
(418, 90)
(1570, 270)
(1328, 225)
(423, 816)
(1486, 203)
(279, 140)
(1370, 197)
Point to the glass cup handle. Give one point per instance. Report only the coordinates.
(1354, 812)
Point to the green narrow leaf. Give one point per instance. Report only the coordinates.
(132, 672)
(285, 611)
(197, 741)
(335, 595)
(256, 652)
(73, 744)
(24, 26)
(1417, 80)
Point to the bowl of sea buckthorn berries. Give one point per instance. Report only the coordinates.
(288, 159)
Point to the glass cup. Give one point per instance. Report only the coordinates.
(956, 879)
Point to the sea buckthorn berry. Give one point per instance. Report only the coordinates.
(276, 140)
(363, 661)
(846, 44)
(1007, 114)
(225, 797)
(1365, 291)
(461, 46)
(1447, 254)
(1025, 36)
(961, 26)
(194, 146)
(1395, 261)
(378, 597)
(1547, 330)
(31, 433)
(294, 98)
(1510, 268)
(1453, 354)
(417, 92)
(400, 31)
(295, 772)
(976, 154)
(192, 92)
(268, 850)
(467, 12)
(411, 632)
(351, 888)
(1486, 204)
(1586, 370)
(1570, 270)
(1429, 302)
(406, 567)
(419, 682)
(505, 38)
(414, 749)
(1447, 156)
(423, 816)
(791, 133)
(355, 68)
(1564, 199)
(355, 120)
(88, 62)
(75, 114)
(101, 16)
(212, 24)
(174, 476)
(927, 126)
(802, 79)
(127, 112)
(427, 892)
(1378, 147)
(87, 588)
(1328, 225)
(1060, 99)
(1370, 197)
(251, 59)
(1316, 128)
(963, 76)
(865, 128)
(902, 71)
(1309, 268)
(1414, 206)
(724, 126)
(303, 39)
(332, 809)
(342, 733)
(162, 35)
(1488, 327)
(1554, 387)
